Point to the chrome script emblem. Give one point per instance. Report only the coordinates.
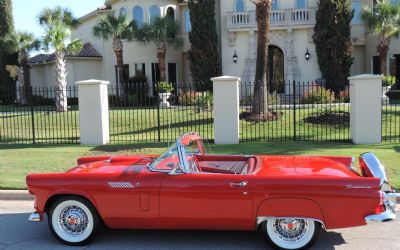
(351, 186)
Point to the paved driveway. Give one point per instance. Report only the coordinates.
(17, 233)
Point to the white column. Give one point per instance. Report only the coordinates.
(93, 112)
(226, 109)
(366, 109)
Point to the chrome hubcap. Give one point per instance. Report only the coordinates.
(73, 220)
(290, 230)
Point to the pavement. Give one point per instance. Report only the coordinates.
(16, 232)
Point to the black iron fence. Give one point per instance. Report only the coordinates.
(139, 112)
(303, 111)
(390, 118)
(29, 115)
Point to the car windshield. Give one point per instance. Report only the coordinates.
(172, 152)
(180, 155)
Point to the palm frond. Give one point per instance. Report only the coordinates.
(74, 47)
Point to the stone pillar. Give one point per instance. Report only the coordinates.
(93, 112)
(226, 109)
(366, 109)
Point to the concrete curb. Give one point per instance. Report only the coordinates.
(15, 195)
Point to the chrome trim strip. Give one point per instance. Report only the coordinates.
(34, 217)
(261, 219)
(120, 184)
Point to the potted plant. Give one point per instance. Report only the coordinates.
(387, 83)
(164, 92)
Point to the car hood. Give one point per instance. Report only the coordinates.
(307, 165)
(112, 164)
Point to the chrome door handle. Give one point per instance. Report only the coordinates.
(239, 184)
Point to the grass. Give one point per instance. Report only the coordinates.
(19, 160)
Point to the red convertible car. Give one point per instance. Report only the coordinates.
(288, 198)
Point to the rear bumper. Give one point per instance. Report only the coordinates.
(390, 211)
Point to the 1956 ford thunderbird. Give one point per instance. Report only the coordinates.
(288, 198)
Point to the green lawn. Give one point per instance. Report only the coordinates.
(16, 161)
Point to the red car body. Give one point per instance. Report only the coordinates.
(226, 192)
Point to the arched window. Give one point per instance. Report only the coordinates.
(138, 15)
(188, 24)
(301, 4)
(123, 11)
(171, 13)
(274, 5)
(357, 12)
(239, 6)
(155, 12)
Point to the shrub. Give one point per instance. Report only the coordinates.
(393, 94)
(188, 98)
(343, 97)
(272, 99)
(165, 87)
(388, 81)
(41, 100)
(204, 100)
(318, 95)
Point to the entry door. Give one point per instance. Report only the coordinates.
(155, 75)
(206, 201)
(172, 75)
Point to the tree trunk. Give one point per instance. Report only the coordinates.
(260, 102)
(382, 49)
(21, 83)
(118, 49)
(161, 52)
(61, 82)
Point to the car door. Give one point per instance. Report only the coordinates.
(206, 201)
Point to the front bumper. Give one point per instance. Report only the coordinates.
(35, 217)
(390, 211)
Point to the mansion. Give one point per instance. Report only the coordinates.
(292, 53)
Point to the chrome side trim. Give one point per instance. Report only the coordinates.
(261, 219)
(375, 167)
(34, 217)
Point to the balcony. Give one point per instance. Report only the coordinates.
(279, 19)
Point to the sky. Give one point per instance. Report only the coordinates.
(26, 11)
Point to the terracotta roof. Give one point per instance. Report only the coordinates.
(87, 51)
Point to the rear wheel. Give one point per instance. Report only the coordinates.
(290, 233)
(73, 220)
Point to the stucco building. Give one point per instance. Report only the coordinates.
(292, 23)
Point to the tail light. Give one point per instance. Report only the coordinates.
(381, 206)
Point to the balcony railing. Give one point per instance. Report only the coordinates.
(278, 18)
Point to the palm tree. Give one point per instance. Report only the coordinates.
(384, 21)
(23, 43)
(58, 24)
(163, 32)
(260, 102)
(118, 28)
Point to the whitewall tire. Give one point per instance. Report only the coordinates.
(73, 220)
(290, 233)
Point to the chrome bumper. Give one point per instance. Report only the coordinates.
(35, 217)
(390, 205)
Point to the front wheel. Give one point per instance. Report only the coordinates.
(73, 220)
(290, 233)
